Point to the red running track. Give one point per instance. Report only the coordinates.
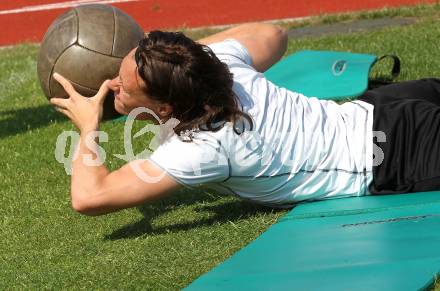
(31, 20)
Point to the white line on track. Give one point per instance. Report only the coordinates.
(60, 5)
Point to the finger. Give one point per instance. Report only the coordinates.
(60, 102)
(66, 84)
(103, 91)
(113, 84)
(64, 111)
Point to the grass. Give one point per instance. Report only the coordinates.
(162, 245)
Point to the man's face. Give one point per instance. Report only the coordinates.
(128, 89)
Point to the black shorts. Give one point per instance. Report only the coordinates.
(409, 115)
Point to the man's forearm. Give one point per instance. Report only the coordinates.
(88, 171)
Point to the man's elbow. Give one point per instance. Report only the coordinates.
(266, 29)
(273, 46)
(84, 206)
(279, 36)
(284, 37)
(279, 32)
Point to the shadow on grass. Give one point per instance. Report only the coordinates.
(17, 121)
(223, 213)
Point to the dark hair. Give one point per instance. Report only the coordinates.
(189, 76)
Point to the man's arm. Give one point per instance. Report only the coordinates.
(266, 43)
(95, 190)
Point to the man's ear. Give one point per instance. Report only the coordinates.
(164, 110)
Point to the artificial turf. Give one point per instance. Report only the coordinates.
(162, 245)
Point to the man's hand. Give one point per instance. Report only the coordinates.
(114, 84)
(84, 112)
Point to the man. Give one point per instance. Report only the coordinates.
(95, 190)
(240, 134)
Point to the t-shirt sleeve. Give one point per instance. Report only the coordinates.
(204, 160)
(192, 163)
(231, 51)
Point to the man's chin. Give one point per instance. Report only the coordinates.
(119, 109)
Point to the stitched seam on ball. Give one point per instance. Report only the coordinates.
(93, 51)
(53, 67)
(62, 52)
(77, 26)
(86, 48)
(114, 30)
(85, 87)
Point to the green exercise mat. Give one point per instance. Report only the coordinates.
(363, 243)
(323, 74)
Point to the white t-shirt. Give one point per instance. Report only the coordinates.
(300, 148)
